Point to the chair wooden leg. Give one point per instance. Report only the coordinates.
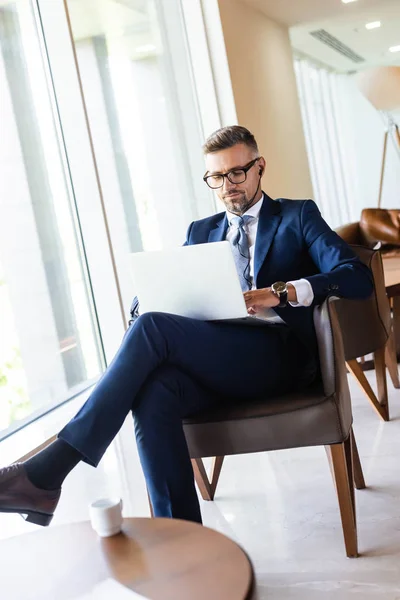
(391, 360)
(356, 370)
(207, 486)
(340, 458)
(381, 381)
(358, 474)
(201, 478)
(396, 322)
(215, 472)
(150, 505)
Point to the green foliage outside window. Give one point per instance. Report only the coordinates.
(14, 402)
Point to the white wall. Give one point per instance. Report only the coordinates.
(264, 87)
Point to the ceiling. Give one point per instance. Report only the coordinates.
(345, 22)
(294, 12)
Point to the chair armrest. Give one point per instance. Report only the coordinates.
(332, 360)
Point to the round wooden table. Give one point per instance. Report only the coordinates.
(161, 559)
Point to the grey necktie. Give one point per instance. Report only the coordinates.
(241, 252)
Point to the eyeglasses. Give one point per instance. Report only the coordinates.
(235, 176)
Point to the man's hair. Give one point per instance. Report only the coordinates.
(226, 137)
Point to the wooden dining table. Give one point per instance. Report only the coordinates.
(391, 268)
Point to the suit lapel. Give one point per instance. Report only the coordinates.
(218, 234)
(267, 225)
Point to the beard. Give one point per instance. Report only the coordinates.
(237, 204)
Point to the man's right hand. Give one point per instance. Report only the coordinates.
(258, 300)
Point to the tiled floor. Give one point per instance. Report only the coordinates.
(281, 507)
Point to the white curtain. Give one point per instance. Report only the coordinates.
(344, 137)
(320, 93)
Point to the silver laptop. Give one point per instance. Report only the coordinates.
(198, 281)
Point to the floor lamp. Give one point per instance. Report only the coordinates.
(392, 130)
(381, 86)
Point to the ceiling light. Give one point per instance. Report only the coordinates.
(394, 49)
(348, 1)
(373, 25)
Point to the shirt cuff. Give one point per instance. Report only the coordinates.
(304, 292)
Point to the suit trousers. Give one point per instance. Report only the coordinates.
(169, 367)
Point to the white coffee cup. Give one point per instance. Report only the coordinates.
(106, 516)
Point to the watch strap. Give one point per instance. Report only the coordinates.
(283, 298)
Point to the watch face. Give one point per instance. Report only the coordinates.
(279, 287)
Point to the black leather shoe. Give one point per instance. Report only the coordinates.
(19, 495)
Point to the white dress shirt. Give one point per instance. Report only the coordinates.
(304, 291)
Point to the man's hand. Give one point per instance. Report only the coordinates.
(258, 300)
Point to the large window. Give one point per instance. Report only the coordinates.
(100, 156)
(136, 81)
(49, 347)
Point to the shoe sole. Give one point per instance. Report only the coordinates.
(37, 518)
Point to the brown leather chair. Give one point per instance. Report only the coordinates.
(376, 225)
(381, 226)
(321, 415)
(367, 328)
(378, 337)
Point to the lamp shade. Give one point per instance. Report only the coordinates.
(381, 86)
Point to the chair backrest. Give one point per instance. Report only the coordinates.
(376, 225)
(381, 225)
(365, 324)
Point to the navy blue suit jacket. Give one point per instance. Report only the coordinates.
(294, 242)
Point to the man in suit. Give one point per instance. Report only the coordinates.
(168, 367)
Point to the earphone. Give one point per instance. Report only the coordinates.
(260, 171)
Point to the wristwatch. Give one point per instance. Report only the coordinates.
(280, 289)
